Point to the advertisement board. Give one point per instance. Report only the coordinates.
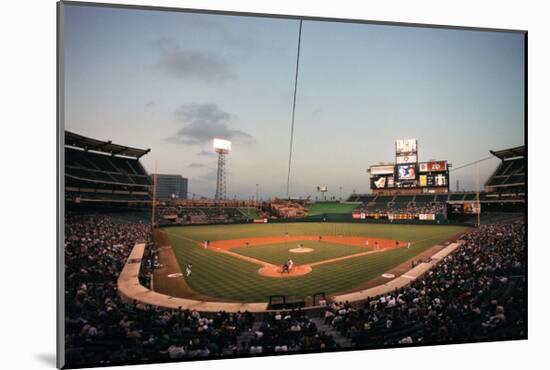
(406, 172)
(406, 159)
(432, 180)
(382, 182)
(422, 181)
(406, 146)
(426, 216)
(472, 208)
(379, 183)
(438, 166)
(441, 180)
(463, 208)
(406, 184)
(382, 170)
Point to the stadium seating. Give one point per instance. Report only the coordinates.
(100, 168)
(511, 171)
(424, 198)
(361, 198)
(456, 196)
(383, 199)
(97, 171)
(178, 215)
(288, 209)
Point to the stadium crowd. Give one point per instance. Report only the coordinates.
(101, 328)
(476, 293)
(287, 331)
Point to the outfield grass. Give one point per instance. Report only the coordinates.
(330, 207)
(223, 276)
(278, 254)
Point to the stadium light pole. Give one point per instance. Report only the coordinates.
(256, 199)
(222, 147)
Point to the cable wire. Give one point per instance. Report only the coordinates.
(293, 111)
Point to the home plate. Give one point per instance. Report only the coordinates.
(388, 276)
(177, 274)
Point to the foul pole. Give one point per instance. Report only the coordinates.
(154, 197)
(477, 196)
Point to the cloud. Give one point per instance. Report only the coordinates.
(205, 122)
(208, 177)
(219, 32)
(206, 153)
(182, 63)
(196, 165)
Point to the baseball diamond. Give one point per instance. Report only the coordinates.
(229, 269)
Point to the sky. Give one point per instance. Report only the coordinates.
(172, 81)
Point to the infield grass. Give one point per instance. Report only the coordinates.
(223, 276)
(278, 254)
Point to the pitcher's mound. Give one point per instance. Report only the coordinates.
(301, 250)
(277, 271)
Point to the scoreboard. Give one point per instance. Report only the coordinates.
(407, 173)
(423, 175)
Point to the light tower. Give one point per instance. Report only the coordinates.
(222, 147)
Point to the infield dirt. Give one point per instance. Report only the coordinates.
(275, 271)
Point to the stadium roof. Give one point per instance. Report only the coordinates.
(518, 151)
(86, 143)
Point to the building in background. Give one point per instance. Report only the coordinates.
(171, 186)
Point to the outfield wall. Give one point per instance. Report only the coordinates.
(338, 217)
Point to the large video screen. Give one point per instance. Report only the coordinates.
(406, 172)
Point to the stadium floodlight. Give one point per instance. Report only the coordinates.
(222, 145)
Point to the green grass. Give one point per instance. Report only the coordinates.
(278, 254)
(330, 207)
(223, 276)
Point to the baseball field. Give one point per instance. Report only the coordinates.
(244, 262)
